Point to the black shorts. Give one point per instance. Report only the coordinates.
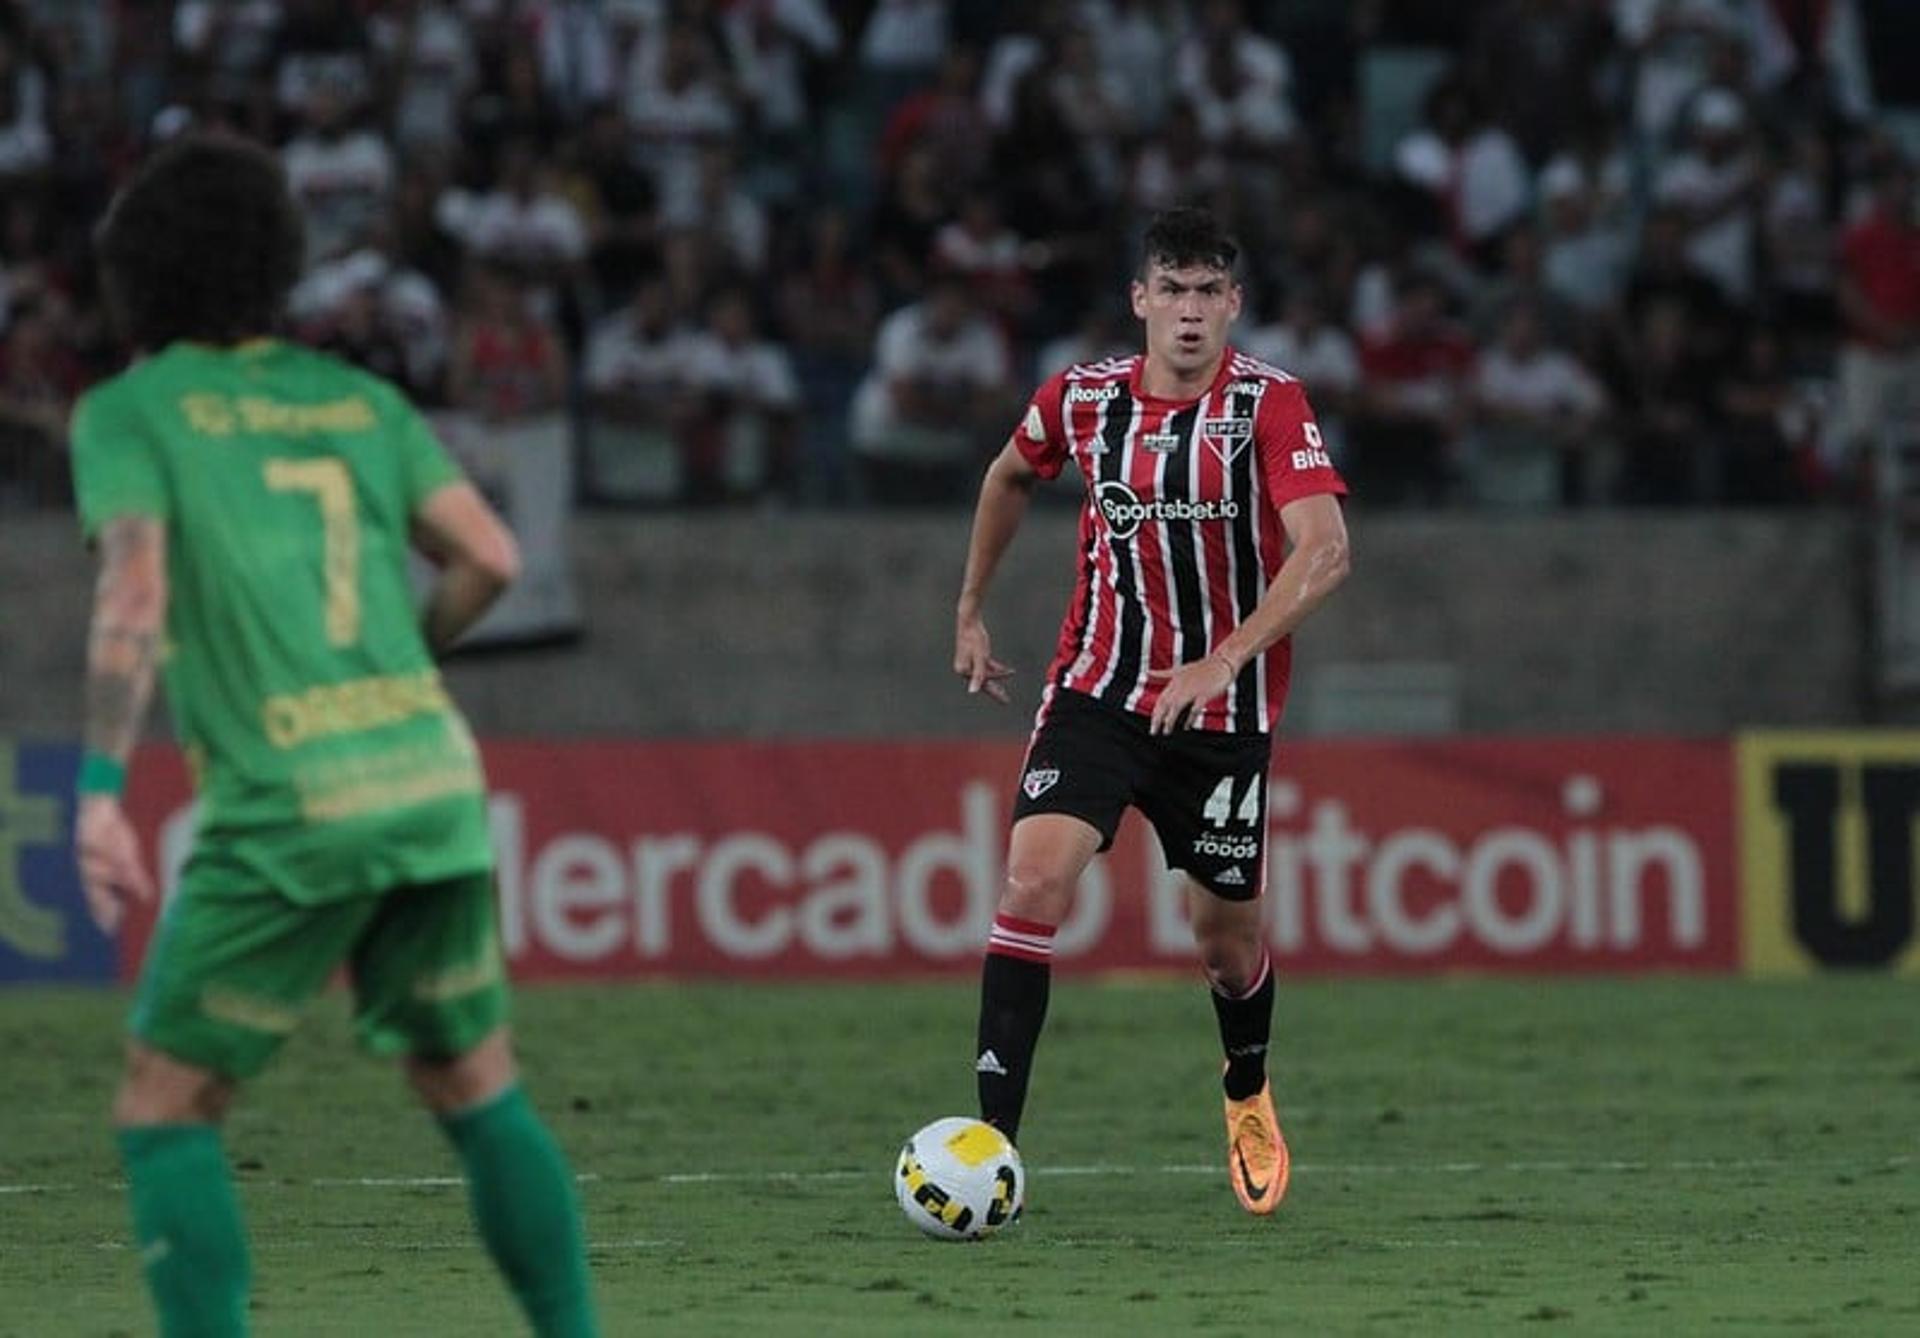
(1205, 793)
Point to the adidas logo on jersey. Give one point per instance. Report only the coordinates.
(1232, 877)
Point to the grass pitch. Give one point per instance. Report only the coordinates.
(1646, 1156)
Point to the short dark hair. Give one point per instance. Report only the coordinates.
(204, 243)
(1184, 237)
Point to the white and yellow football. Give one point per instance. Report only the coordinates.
(960, 1179)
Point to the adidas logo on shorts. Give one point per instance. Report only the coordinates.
(1233, 877)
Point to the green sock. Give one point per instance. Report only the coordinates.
(523, 1202)
(186, 1224)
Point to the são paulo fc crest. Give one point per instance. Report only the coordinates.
(1226, 436)
(1039, 780)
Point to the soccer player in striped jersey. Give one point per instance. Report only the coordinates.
(253, 504)
(1212, 529)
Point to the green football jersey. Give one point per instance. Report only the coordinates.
(328, 758)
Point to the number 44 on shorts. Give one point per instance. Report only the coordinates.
(1219, 807)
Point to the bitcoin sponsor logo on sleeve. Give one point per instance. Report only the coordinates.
(1315, 455)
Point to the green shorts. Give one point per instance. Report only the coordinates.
(229, 974)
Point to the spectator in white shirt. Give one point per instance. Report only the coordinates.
(981, 248)
(904, 37)
(772, 42)
(523, 224)
(747, 400)
(1671, 43)
(1585, 261)
(1134, 37)
(1802, 245)
(1322, 355)
(1031, 38)
(25, 144)
(725, 212)
(430, 50)
(678, 98)
(1178, 165)
(576, 54)
(1715, 186)
(1240, 84)
(938, 387)
(341, 177)
(1100, 334)
(634, 356)
(1092, 101)
(232, 41)
(637, 403)
(323, 42)
(376, 311)
(1536, 409)
(1472, 172)
(1828, 59)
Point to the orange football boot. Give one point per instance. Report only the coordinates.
(1256, 1152)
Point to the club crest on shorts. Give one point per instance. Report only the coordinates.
(1039, 780)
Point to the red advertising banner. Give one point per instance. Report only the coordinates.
(852, 859)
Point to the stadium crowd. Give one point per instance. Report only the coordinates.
(1523, 252)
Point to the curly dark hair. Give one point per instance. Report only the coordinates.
(204, 243)
(1185, 236)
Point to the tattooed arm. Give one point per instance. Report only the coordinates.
(123, 651)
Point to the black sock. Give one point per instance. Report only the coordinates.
(1014, 985)
(1246, 1021)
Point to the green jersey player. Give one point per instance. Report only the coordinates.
(253, 505)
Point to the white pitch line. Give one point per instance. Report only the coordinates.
(1089, 1170)
(721, 1177)
(639, 1243)
(408, 1181)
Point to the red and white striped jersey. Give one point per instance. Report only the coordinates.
(1181, 532)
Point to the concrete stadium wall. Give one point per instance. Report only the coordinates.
(825, 624)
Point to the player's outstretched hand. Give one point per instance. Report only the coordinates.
(973, 660)
(1185, 689)
(112, 870)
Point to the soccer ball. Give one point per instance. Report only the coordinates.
(959, 1179)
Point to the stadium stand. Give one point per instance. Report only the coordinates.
(1702, 206)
